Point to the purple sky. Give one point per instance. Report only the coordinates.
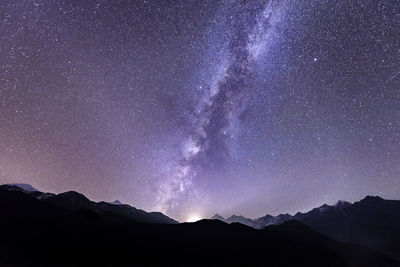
(198, 107)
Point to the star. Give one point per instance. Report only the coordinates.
(197, 109)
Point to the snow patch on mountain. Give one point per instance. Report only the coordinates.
(25, 187)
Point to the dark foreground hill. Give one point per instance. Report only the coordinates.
(35, 232)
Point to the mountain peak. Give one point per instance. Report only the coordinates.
(116, 202)
(342, 203)
(218, 217)
(72, 195)
(25, 187)
(372, 198)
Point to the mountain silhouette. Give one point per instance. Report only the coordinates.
(372, 222)
(67, 230)
(75, 201)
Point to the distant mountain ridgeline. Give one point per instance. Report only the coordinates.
(373, 222)
(75, 201)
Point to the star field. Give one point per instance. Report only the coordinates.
(197, 107)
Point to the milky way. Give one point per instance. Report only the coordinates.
(221, 103)
(198, 107)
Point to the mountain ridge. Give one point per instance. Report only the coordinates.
(373, 222)
(41, 233)
(76, 201)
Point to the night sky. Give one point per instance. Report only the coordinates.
(201, 107)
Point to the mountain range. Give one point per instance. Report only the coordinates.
(75, 201)
(372, 222)
(45, 229)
